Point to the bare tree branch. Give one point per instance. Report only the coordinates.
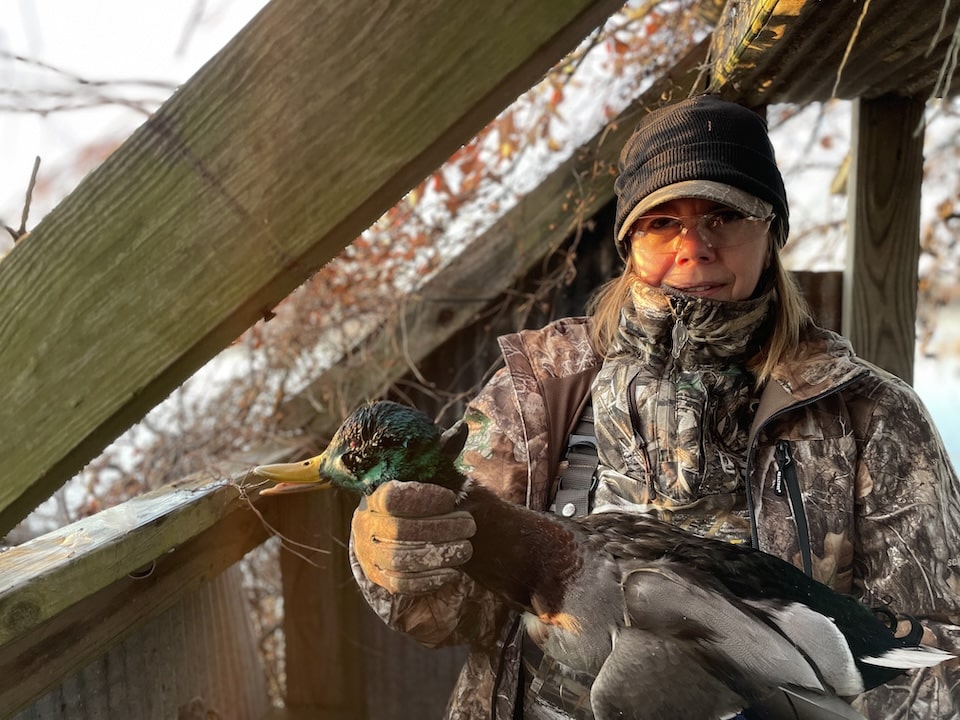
(20, 232)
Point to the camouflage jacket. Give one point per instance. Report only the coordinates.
(880, 499)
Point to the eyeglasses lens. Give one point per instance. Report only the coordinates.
(723, 229)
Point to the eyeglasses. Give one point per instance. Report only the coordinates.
(719, 229)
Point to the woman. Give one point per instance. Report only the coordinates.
(718, 405)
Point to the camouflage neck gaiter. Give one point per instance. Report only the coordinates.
(673, 406)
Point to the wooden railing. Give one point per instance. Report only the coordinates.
(138, 612)
(69, 597)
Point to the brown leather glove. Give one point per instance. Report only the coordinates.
(409, 539)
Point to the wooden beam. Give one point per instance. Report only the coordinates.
(883, 248)
(823, 291)
(306, 127)
(197, 660)
(803, 51)
(44, 576)
(322, 609)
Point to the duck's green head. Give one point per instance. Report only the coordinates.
(379, 442)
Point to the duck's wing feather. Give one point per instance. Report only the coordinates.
(647, 677)
(784, 660)
(799, 704)
(818, 639)
(737, 640)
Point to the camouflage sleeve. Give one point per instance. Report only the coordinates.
(908, 545)
(461, 611)
(496, 450)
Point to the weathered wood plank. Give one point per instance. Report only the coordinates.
(196, 660)
(51, 628)
(44, 576)
(802, 51)
(824, 293)
(305, 128)
(883, 248)
(488, 266)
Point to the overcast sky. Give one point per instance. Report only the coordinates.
(98, 40)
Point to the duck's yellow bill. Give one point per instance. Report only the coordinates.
(293, 477)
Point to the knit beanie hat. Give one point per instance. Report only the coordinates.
(701, 147)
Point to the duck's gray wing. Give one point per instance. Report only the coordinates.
(647, 677)
(687, 640)
(797, 704)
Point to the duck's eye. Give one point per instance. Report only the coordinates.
(351, 460)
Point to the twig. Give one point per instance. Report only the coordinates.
(285, 542)
(849, 48)
(22, 230)
(950, 55)
(196, 17)
(81, 80)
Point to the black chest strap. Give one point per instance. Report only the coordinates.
(579, 479)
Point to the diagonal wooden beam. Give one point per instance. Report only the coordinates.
(304, 129)
(803, 51)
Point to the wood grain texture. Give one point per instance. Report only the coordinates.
(47, 650)
(321, 607)
(802, 51)
(196, 660)
(307, 126)
(44, 576)
(883, 249)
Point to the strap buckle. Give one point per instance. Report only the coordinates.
(579, 480)
(574, 440)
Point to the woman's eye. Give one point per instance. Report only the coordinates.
(658, 223)
(723, 217)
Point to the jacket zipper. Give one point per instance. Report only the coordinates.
(787, 475)
(782, 455)
(748, 471)
(679, 334)
(637, 437)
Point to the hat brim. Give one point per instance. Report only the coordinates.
(702, 190)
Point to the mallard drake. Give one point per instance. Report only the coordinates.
(670, 625)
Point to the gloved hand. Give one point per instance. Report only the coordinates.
(409, 539)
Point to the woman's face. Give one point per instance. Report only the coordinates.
(696, 268)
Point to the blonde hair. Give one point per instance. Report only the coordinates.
(792, 315)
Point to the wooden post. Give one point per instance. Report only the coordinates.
(321, 608)
(824, 293)
(880, 288)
